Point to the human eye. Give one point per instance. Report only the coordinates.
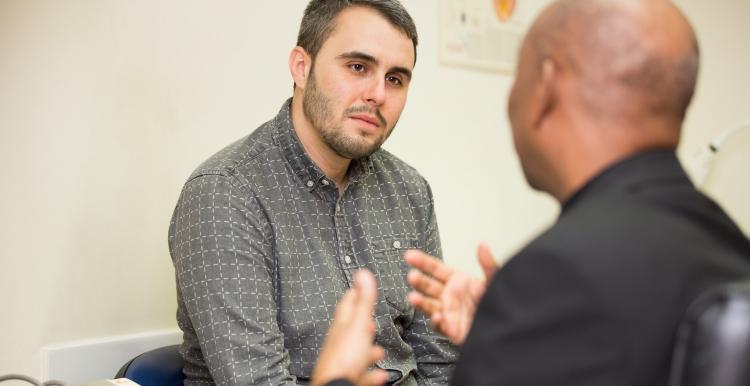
(357, 67)
(394, 80)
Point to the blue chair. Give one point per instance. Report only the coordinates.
(158, 367)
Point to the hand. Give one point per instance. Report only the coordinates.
(447, 296)
(348, 350)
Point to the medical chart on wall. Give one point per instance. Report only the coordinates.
(482, 34)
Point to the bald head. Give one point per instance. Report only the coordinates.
(631, 58)
(599, 80)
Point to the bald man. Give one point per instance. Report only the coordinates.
(596, 108)
(599, 98)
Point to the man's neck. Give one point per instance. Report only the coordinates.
(333, 165)
(589, 164)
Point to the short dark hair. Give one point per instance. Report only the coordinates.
(318, 20)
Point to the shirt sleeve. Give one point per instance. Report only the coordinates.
(223, 259)
(434, 353)
(541, 324)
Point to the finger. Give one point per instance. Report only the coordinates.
(427, 305)
(362, 306)
(437, 318)
(375, 377)
(450, 330)
(345, 309)
(428, 264)
(424, 284)
(486, 261)
(377, 353)
(436, 321)
(367, 293)
(367, 288)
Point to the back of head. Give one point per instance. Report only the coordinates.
(632, 59)
(599, 80)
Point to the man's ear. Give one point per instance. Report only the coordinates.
(548, 92)
(299, 66)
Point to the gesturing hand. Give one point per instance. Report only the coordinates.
(447, 296)
(349, 350)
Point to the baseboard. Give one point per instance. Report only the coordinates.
(100, 358)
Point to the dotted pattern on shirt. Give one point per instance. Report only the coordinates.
(264, 246)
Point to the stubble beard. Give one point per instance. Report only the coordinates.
(317, 109)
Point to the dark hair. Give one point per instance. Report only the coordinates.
(318, 20)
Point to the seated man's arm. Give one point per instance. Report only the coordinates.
(221, 247)
(434, 353)
(541, 323)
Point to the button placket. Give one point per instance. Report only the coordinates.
(345, 254)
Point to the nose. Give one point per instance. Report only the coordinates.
(375, 93)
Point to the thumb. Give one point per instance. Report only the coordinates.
(367, 289)
(486, 261)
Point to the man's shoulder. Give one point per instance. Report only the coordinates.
(386, 164)
(243, 153)
(614, 236)
(600, 228)
(643, 217)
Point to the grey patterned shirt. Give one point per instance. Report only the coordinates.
(264, 245)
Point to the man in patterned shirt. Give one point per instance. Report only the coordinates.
(268, 232)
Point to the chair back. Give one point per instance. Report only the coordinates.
(713, 342)
(158, 367)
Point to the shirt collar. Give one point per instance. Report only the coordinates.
(631, 174)
(300, 162)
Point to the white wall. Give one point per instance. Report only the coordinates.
(106, 106)
(722, 100)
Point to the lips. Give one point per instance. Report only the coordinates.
(370, 120)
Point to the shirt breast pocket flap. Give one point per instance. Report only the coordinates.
(392, 270)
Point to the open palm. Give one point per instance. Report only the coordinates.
(449, 297)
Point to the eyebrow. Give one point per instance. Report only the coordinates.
(373, 60)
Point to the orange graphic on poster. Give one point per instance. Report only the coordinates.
(504, 9)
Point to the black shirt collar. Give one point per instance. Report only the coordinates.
(633, 173)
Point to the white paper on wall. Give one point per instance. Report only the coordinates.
(481, 34)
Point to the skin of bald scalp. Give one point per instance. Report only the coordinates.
(597, 80)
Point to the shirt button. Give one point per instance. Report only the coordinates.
(396, 244)
(310, 184)
(348, 259)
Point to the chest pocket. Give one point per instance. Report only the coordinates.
(392, 269)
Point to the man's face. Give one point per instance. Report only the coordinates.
(520, 108)
(358, 83)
